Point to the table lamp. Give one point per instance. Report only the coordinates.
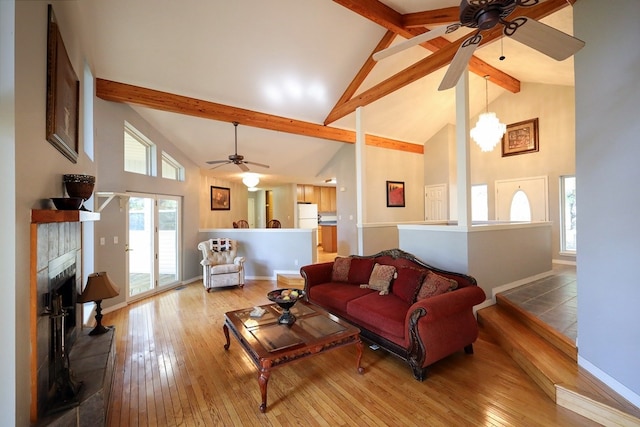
(99, 287)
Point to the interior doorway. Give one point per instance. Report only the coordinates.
(436, 202)
(268, 203)
(522, 199)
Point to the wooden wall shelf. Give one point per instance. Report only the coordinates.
(39, 216)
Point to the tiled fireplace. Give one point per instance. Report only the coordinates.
(58, 259)
(71, 371)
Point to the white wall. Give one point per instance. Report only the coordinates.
(608, 149)
(109, 153)
(9, 302)
(384, 165)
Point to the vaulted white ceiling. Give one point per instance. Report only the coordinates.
(288, 58)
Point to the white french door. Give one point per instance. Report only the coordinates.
(528, 194)
(153, 243)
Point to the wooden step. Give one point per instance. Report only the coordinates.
(290, 281)
(556, 338)
(555, 372)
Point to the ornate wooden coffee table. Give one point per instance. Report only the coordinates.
(270, 344)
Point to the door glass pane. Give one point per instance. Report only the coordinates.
(168, 241)
(141, 263)
(520, 207)
(479, 203)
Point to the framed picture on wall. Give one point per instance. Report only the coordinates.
(520, 138)
(63, 91)
(395, 194)
(220, 198)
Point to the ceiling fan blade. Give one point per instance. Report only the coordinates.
(543, 38)
(222, 164)
(213, 162)
(257, 164)
(429, 35)
(242, 166)
(460, 61)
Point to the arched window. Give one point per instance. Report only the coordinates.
(520, 207)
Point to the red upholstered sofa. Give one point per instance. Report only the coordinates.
(418, 329)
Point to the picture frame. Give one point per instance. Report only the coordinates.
(220, 198)
(395, 194)
(63, 92)
(520, 138)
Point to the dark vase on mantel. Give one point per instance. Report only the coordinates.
(78, 185)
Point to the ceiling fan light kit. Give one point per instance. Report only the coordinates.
(251, 180)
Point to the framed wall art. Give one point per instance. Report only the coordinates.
(220, 198)
(395, 194)
(520, 138)
(63, 89)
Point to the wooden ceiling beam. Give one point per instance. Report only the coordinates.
(366, 68)
(394, 21)
(434, 62)
(165, 101)
(446, 15)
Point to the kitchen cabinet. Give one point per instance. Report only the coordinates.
(329, 238)
(308, 194)
(327, 201)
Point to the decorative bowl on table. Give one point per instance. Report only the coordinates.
(67, 203)
(286, 298)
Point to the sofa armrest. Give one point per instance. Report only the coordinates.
(445, 305)
(239, 260)
(441, 325)
(316, 274)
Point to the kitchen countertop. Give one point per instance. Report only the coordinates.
(328, 223)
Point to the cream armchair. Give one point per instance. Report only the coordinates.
(220, 264)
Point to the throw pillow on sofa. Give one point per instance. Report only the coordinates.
(340, 271)
(435, 284)
(360, 270)
(380, 278)
(406, 285)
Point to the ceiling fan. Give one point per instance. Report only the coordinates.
(235, 158)
(484, 15)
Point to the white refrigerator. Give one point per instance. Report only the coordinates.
(307, 215)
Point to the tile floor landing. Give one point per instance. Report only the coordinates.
(554, 299)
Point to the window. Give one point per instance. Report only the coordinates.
(171, 169)
(568, 214)
(479, 203)
(138, 152)
(520, 207)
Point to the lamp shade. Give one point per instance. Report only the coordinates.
(99, 287)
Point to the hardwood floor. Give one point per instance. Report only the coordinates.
(172, 370)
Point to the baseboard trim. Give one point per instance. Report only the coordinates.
(610, 382)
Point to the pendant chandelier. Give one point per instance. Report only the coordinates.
(488, 130)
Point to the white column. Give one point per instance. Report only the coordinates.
(462, 151)
(360, 173)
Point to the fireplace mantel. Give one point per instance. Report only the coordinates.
(40, 216)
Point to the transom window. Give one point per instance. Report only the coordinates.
(138, 152)
(171, 169)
